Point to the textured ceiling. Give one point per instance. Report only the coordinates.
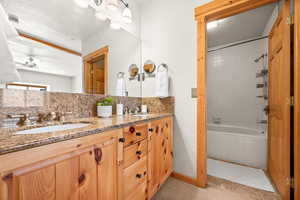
(246, 25)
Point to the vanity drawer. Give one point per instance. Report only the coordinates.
(133, 134)
(139, 194)
(134, 176)
(135, 152)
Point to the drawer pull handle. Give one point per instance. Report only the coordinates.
(98, 155)
(132, 129)
(138, 153)
(81, 179)
(139, 175)
(122, 140)
(150, 130)
(138, 134)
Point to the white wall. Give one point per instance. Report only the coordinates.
(231, 84)
(56, 83)
(168, 32)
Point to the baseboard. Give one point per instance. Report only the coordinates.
(184, 178)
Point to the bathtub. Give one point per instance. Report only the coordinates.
(237, 144)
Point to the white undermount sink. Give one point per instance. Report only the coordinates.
(54, 128)
(141, 115)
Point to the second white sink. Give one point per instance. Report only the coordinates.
(52, 128)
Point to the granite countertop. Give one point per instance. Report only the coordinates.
(10, 142)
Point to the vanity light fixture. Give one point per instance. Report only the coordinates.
(115, 25)
(101, 15)
(109, 9)
(127, 15)
(82, 3)
(112, 4)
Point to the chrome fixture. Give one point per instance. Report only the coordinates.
(24, 119)
(261, 57)
(149, 70)
(106, 9)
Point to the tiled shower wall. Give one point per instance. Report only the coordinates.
(232, 93)
(78, 105)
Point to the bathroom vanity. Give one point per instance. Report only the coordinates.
(124, 158)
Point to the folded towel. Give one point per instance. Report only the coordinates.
(162, 83)
(8, 72)
(121, 87)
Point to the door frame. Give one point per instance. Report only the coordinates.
(92, 56)
(215, 10)
(297, 99)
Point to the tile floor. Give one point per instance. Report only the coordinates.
(217, 189)
(248, 176)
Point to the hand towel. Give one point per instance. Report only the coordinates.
(162, 83)
(8, 71)
(121, 87)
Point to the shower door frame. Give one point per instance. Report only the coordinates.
(219, 9)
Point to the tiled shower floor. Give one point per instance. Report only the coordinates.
(248, 176)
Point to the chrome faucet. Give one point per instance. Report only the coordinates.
(51, 116)
(24, 119)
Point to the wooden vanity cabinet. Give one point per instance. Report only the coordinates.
(89, 173)
(160, 154)
(125, 164)
(148, 161)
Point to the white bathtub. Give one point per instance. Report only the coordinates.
(237, 144)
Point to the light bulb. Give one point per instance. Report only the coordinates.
(82, 3)
(112, 4)
(101, 15)
(115, 25)
(127, 15)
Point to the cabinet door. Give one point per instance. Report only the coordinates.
(167, 131)
(67, 174)
(35, 185)
(86, 174)
(107, 170)
(153, 160)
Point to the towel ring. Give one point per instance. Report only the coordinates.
(120, 75)
(162, 66)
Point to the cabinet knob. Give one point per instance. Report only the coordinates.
(138, 134)
(150, 129)
(98, 155)
(122, 140)
(139, 175)
(131, 129)
(81, 179)
(138, 153)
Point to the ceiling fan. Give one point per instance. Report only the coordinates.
(30, 62)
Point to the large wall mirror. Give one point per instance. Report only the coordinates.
(75, 46)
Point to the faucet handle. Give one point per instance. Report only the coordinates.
(61, 116)
(137, 110)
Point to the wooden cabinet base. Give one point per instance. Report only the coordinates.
(95, 167)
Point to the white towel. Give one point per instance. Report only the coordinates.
(162, 83)
(121, 87)
(8, 72)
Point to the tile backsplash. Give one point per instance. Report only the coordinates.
(78, 105)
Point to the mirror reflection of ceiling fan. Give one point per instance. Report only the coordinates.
(30, 62)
